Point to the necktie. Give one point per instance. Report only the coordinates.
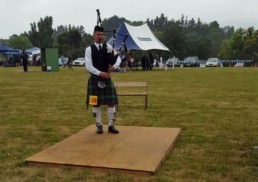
(100, 47)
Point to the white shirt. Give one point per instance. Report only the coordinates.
(88, 60)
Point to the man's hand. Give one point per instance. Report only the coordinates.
(110, 69)
(104, 75)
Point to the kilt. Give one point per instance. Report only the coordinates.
(106, 96)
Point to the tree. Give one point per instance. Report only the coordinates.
(176, 43)
(70, 43)
(41, 35)
(242, 45)
(19, 42)
(112, 23)
(250, 47)
(45, 32)
(33, 35)
(203, 48)
(75, 40)
(237, 44)
(225, 51)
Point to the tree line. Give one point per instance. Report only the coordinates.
(184, 37)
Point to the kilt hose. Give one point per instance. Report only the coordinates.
(106, 96)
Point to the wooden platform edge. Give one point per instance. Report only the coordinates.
(168, 151)
(90, 168)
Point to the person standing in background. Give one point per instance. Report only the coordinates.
(24, 58)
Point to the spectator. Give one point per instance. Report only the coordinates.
(69, 63)
(24, 61)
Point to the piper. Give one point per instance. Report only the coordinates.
(100, 61)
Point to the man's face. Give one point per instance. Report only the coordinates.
(98, 37)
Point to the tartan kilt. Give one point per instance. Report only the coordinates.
(106, 96)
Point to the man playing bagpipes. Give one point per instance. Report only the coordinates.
(100, 61)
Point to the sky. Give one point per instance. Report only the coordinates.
(16, 15)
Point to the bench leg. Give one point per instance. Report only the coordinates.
(146, 101)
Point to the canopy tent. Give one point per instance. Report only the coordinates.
(14, 52)
(8, 50)
(139, 38)
(33, 50)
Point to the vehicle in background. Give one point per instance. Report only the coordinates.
(213, 62)
(191, 62)
(79, 62)
(173, 61)
(239, 65)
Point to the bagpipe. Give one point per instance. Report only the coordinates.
(110, 56)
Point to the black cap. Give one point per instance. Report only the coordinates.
(98, 28)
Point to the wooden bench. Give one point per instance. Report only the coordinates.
(128, 92)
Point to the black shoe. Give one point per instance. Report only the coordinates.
(111, 129)
(99, 129)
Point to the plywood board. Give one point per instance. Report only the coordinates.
(136, 149)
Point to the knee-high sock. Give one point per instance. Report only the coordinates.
(111, 115)
(97, 114)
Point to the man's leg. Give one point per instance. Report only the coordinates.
(97, 114)
(111, 118)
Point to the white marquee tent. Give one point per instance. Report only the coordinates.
(139, 38)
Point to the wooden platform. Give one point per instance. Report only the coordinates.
(134, 149)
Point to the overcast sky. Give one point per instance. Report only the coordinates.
(16, 15)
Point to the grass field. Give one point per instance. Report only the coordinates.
(216, 108)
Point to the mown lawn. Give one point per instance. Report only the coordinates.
(217, 109)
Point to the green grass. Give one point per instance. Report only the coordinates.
(217, 109)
